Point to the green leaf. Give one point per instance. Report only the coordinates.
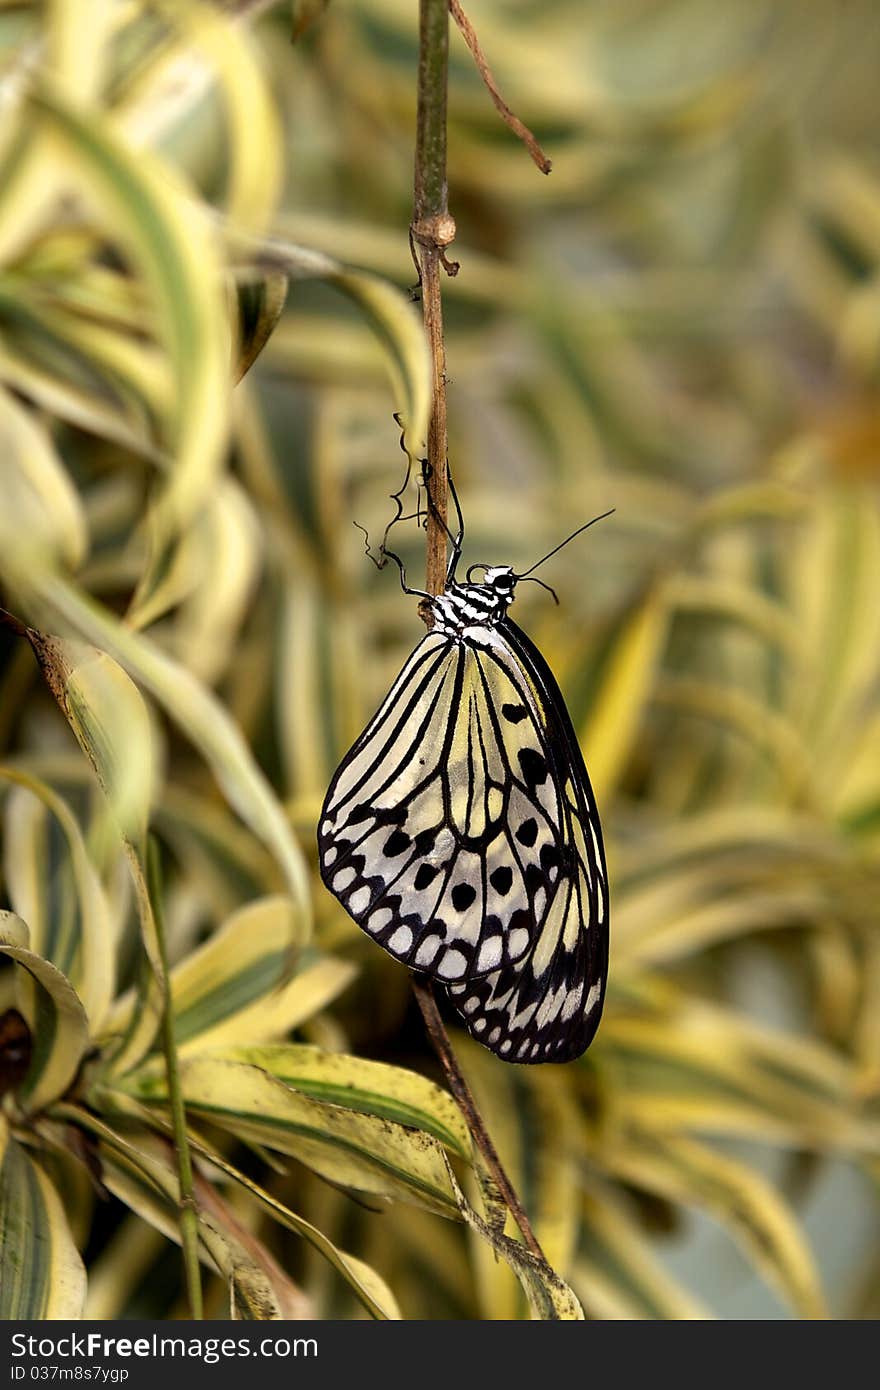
(366, 1284)
(372, 1088)
(532, 1119)
(211, 49)
(87, 409)
(549, 1297)
(174, 248)
(109, 719)
(616, 1274)
(63, 902)
(260, 301)
(55, 1016)
(77, 40)
(199, 713)
(392, 318)
(39, 499)
(143, 1177)
(739, 1198)
(214, 571)
(347, 1147)
(317, 982)
(624, 689)
(689, 1066)
(234, 985)
(41, 1274)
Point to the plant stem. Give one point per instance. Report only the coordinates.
(189, 1223)
(424, 993)
(431, 232)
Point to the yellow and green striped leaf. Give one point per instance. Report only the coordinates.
(370, 1088)
(54, 886)
(148, 209)
(196, 709)
(234, 985)
(143, 1176)
(346, 1146)
(739, 1198)
(54, 1014)
(41, 1273)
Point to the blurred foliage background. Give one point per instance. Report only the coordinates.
(683, 322)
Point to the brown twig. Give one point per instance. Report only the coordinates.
(14, 624)
(432, 231)
(424, 993)
(510, 119)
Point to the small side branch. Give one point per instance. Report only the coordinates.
(510, 119)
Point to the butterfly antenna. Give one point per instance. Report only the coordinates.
(558, 547)
(454, 541)
(457, 541)
(530, 579)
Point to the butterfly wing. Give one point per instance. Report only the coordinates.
(418, 834)
(460, 833)
(547, 1007)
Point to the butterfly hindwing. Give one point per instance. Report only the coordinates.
(547, 1010)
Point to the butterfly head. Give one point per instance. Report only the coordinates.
(501, 580)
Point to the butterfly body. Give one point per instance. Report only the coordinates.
(460, 832)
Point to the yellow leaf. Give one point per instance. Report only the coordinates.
(55, 1016)
(39, 499)
(83, 944)
(740, 1199)
(41, 1274)
(625, 688)
(350, 1148)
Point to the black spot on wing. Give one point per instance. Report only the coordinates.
(463, 896)
(425, 876)
(397, 843)
(521, 919)
(527, 833)
(514, 713)
(534, 878)
(534, 767)
(550, 857)
(501, 879)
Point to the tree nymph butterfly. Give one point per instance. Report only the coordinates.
(460, 831)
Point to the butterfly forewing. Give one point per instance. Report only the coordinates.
(460, 832)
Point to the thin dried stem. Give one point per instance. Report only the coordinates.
(510, 119)
(432, 231)
(424, 993)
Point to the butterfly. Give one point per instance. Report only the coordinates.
(461, 833)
